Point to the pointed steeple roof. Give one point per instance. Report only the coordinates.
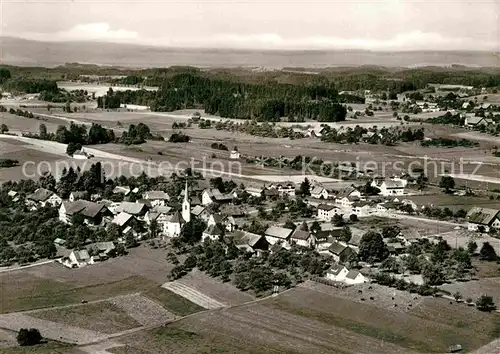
(186, 194)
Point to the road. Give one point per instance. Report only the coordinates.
(12, 269)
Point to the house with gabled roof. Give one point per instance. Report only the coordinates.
(76, 195)
(156, 197)
(201, 213)
(212, 232)
(354, 277)
(123, 220)
(276, 234)
(327, 211)
(41, 198)
(341, 253)
(336, 273)
(213, 195)
(173, 225)
(390, 187)
(320, 192)
(249, 242)
(93, 213)
(362, 208)
(78, 259)
(483, 219)
(303, 238)
(135, 209)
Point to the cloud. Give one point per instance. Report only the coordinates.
(87, 32)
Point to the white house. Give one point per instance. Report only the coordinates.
(201, 213)
(303, 238)
(275, 234)
(390, 187)
(285, 189)
(74, 196)
(362, 208)
(319, 192)
(41, 198)
(156, 197)
(234, 155)
(212, 232)
(347, 202)
(354, 277)
(173, 225)
(316, 132)
(337, 273)
(327, 211)
(78, 259)
(81, 155)
(483, 218)
(213, 195)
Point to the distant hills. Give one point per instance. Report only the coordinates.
(21, 52)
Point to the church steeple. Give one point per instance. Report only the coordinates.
(186, 205)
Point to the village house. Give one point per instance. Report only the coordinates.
(482, 219)
(13, 195)
(156, 197)
(212, 232)
(336, 273)
(234, 154)
(276, 234)
(41, 198)
(341, 253)
(356, 235)
(347, 202)
(125, 190)
(77, 195)
(158, 214)
(354, 277)
(201, 213)
(254, 191)
(284, 189)
(173, 224)
(92, 213)
(390, 187)
(388, 207)
(123, 220)
(303, 238)
(327, 211)
(475, 122)
(101, 250)
(362, 208)
(249, 242)
(316, 132)
(348, 192)
(136, 209)
(409, 236)
(326, 235)
(78, 259)
(213, 195)
(319, 192)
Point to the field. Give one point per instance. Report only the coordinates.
(315, 321)
(46, 348)
(475, 288)
(101, 316)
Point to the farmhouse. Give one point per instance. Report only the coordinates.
(121, 190)
(390, 187)
(275, 234)
(101, 250)
(482, 219)
(213, 232)
(123, 220)
(337, 273)
(74, 196)
(92, 213)
(341, 253)
(319, 192)
(303, 238)
(316, 132)
(349, 192)
(135, 209)
(156, 197)
(213, 195)
(201, 213)
(473, 121)
(78, 259)
(81, 155)
(327, 211)
(41, 198)
(250, 242)
(234, 155)
(362, 208)
(285, 189)
(354, 277)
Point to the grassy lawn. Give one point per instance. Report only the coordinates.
(45, 348)
(101, 317)
(47, 293)
(175, 340)
(486, 269)
(172, 302)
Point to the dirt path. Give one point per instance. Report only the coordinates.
(12, 269)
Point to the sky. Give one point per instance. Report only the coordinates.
(257, 24)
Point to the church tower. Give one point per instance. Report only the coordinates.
(186, 206)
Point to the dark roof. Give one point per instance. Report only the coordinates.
(79, 194)
(335, 270)
(346, 192)
(278, 232)
(352, 274)
(177, 217)
(326, 207)
(301, 235)
(84, 207)
(337, 248)
(213, 230)
(41, 195)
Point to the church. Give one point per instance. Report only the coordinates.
(173, 225)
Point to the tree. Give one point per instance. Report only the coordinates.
(338, 220)
(27, 337)
(372, 248)
(457, 296)
(289, 225)
(353, 217)
(447, 183)
(304, 226)
(192, 231)
(154, 229)
(315, 227)
(42, 131)
(72, 148)
(305, 188)
(4, 129)
(472, 247)
(485, 303)
(345, 234)
(432, 275)
(130, 240)
(487, 252)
